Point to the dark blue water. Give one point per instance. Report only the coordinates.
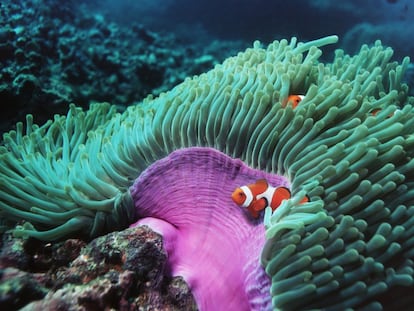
(355, 21)
(56, 52)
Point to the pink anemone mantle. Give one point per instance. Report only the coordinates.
(210, 241)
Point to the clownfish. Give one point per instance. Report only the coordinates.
(294, 100)
(375, 111)
(256, 197)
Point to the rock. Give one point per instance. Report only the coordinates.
(13, 253)
(123, 270)
(17, 288)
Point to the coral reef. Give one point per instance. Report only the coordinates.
(55, 53)
(351, 246)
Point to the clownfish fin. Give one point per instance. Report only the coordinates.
(253, 213)
(262, 182)
(305, 199)
(258, 187)
(259, 204)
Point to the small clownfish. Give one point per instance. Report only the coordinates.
(375, 111)
(256, 197)
(294, 100)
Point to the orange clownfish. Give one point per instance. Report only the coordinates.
(294, 100)
(375, 111)
(256, 197)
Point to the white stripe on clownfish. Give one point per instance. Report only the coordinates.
(249, 196)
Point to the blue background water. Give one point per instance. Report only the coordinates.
(54, 52)
(355, 21)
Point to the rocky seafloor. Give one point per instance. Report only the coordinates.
(124, 270)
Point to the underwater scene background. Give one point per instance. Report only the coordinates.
(54, 53)
(127, 125)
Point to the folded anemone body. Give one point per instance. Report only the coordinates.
(210, 241)
(350, 246)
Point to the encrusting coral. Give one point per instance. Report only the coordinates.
(351, 246)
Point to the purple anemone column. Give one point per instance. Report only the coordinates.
(210, 241)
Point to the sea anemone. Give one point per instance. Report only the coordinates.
(210, 242)
(351, 246)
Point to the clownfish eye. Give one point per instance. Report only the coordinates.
(238, 196)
